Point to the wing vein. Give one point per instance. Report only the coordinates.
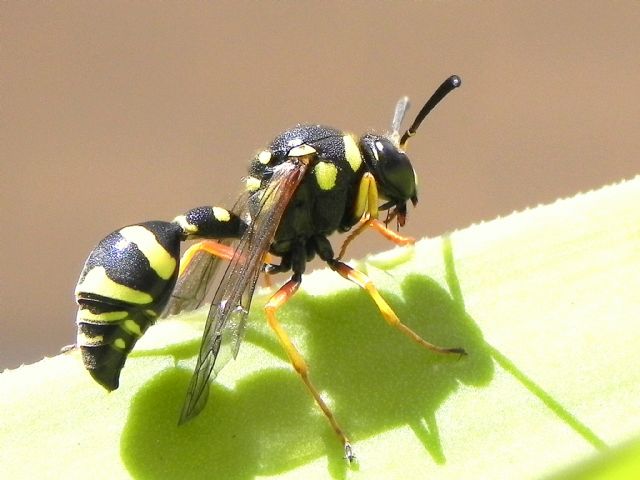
(232, 300)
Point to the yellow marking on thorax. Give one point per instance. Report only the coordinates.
(119, 343)
(302, 151)
(352, 152)
(264, 157)
(97, 282)
(326, 174)
(159, 259)
(252, 184)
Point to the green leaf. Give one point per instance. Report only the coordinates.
(544, 301)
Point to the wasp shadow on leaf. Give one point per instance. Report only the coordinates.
(376, 379)
(177, 350)
(265, 425)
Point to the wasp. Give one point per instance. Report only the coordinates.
(311, 182)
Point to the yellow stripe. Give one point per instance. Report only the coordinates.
(264, 157)
(97, 282)
(132, 326)
(352, 152)
(88, 341)
(221, 214)
(188, 228)
(86, 315)
(159, 259)
(326, 174)
(302, 151)
(366, 202)
(252, 183)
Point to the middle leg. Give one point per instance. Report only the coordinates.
(387, 312)
(275, 302)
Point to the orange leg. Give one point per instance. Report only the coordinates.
(352, 236)
(389, 315)
(219, 250)
(395, 237)
(211, 247)
(381, 228)
(276, 301)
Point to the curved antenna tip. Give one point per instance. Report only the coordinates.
(446, 87)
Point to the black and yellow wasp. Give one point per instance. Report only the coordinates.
(311, 182)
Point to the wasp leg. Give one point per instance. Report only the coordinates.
(390, 235)
(224, 252)
(381, 228)
(366, 202)
(389, 315)
(275, 302)
(352, 236)
(366, 210)
(270, 269)
(211, 247)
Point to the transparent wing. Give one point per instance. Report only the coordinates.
(398, 115)
(195, 282)
(232, 300)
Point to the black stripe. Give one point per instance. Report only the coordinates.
(167, 234)
(126, 265)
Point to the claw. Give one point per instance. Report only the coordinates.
(348, 453)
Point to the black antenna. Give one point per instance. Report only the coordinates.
(447, 86)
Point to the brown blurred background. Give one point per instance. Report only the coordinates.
(119, 112)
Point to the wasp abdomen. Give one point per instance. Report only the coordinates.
(106, 345)
(128, 280)
(123, 287)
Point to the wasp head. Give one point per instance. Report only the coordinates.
(385, 158)
(395, 177)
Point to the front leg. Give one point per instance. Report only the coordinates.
(366, 211)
